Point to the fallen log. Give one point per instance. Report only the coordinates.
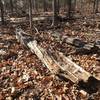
(97, 43)
(75, 42)
(83, 47)
(63, 66)
(25, 19)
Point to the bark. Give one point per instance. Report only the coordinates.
(45, 5)
(69, 8)
(74, 5)
(11, 6)
(35, 5)
(54, 12)
(65, 5)
(2, 12)
(58, 6)
(95, 6)
(30, 14)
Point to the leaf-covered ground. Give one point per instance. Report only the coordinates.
(24, 77)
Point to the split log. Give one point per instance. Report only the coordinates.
(63, 66)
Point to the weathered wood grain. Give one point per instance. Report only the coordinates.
(64, 66)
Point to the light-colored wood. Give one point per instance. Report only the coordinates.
(69, 66)
(51, 64)
(24, 19)
(62, 66)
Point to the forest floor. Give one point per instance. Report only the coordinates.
(23, 76)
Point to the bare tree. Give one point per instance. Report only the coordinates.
(69, 3)
(30, 14)
(65, 5)
(54, 12)
(58, 6)
(2, 12)
(75, 5)
(45, 5)
(96, 5)
(11, 6)
(35, 5)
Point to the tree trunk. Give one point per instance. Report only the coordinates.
(74, 5)
(11, 6)
(54, 12)
(30, 14)
(65, 5)
(69, 8)
(2, 12)
(58, 6)
(45, 5)
(35, 5)
(97, 4)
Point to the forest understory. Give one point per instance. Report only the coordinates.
(24, 77)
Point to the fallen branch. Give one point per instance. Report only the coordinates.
(83, 47)
(24, 19)
(61, 67)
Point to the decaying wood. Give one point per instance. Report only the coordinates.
(69, 66)
(75, 42)
(65, 66)
(24, 19)
(62, 67)
(51, 64)
(83, 47)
